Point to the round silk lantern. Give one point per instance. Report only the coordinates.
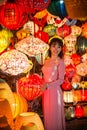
(70, 71)
(84, 30)
(79, 111)
(70, 43)
(57, 7)
(76, 59)
(81, 45)
(12, 15)
(63, 31)
(76, 30)
(50, 29)
(42, 35)
(26, 118)
(29, 87)
(66, 85)
(81, 69)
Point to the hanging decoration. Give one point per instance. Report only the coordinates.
(76, 58)
(81, 46)
(14, 62)
(32, 46)
(79, 111)
(76, 30)
(81, 69)
(29, 86)
(12, 15)
(33, 6)
(5, 39)
(84, 30)
(76, 9)
(57, 7)
(70, 43)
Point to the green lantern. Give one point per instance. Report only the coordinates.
(81, 46)
(57, 7)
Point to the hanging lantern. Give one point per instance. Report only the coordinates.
(2, 2)
(70, 71)
(75, 30)
(76, 96)
(28, 117)
(29, 87)
(42, 35)
(50, 29)
(66, 85)
(14, 62)
(63, 31)
(84, 30)
(68, 96)
(70, 42)
(5, 39)
(81, 45)
(76, 9)
(79, 111)
(32, 46)
(76, 59)
(57, 7)
(12, 15)
(81, 69)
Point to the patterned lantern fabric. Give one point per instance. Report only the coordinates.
(29, 87)
(32, 46)
(14, 62)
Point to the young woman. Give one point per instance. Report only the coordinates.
(52, 98)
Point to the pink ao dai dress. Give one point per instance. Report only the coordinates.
(52, 98)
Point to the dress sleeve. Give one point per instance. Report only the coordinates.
(61, 73)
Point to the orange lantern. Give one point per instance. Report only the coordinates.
(5, 111)
(84, 30)
(29, 87)
(26, 118)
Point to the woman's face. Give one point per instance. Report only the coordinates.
(55, 50)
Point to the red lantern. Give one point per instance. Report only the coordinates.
(66, 85)
(70, 71)
(79, 111)
(12, 15)
(63, 31)
(29, 87)
(76, 58)
(42, 35)
(33, 6)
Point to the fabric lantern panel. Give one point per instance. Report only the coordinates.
(29, 87)
(68, 96)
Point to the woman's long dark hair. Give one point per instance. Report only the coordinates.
(55, 41)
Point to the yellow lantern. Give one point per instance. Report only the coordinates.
(28, 117)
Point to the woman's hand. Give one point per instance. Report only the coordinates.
(44, 87)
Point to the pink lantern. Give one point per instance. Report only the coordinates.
(29, 87)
